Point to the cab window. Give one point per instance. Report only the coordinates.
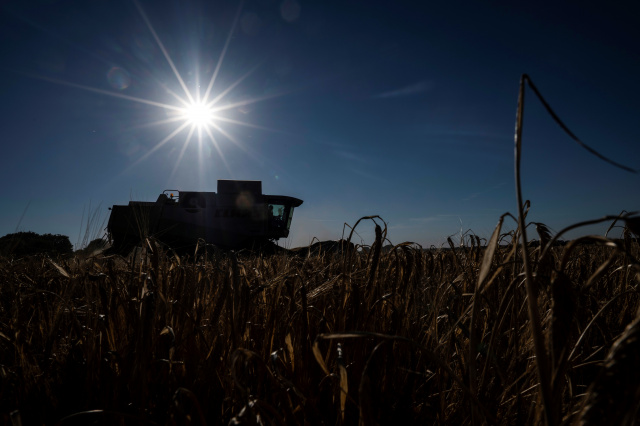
(276, 215)
(290, 217)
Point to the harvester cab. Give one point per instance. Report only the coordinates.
(237, 216)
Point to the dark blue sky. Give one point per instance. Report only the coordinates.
(401, 109)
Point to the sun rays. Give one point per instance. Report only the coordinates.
(196, 112)
(195, 116)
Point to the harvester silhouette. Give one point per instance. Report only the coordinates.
(237, 216)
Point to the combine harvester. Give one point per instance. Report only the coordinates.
(237, 216)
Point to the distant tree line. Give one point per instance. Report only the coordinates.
(28, 243)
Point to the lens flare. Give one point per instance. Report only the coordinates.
(118, 78)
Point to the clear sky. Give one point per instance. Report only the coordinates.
(400, 109)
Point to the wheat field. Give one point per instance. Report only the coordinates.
(438, 336)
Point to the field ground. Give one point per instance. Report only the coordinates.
(400, 336)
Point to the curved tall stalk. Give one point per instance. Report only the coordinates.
(542, 360)
(535, 323)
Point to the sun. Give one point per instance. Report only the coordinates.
(198, 114)
(201, 115)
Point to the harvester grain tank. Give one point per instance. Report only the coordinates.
(237, 216)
